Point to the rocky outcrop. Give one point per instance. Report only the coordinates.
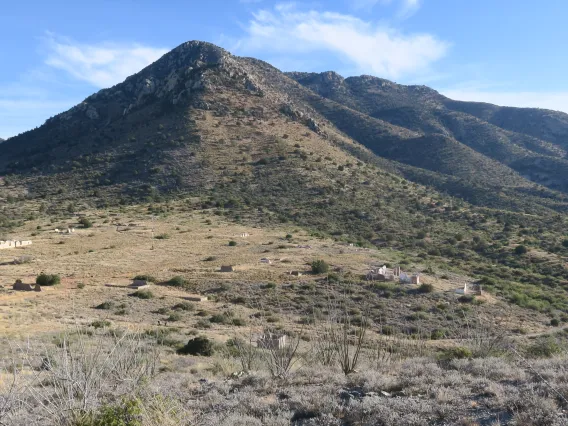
(302, 117)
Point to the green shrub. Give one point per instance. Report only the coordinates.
(320, 267)
(200, 345)
(209, 259)
(162, 237)
(232, 243)
(105, 305)
(177, 281)
(127, 413)
(85, 223)
(219, 319)
(239, 322)
(174, 316)
(466, 298)
(458, 352)
(145, 277)
(554, 322)
(437, 334)
(100, 324)
(46, 279)
(184, 306)
(426, 288)
(521, 250)
(544, 348)
(143, 294)
(81, 286)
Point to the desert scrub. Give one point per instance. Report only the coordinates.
(320, 267)
(145, 277)
(184, 306)
(100, 324)
(47, 280)
(174, 316)
(200, 345)
(426, 288)
(143, 294)
(127, 413)
(176, 281)
(105, 305)
(85, 223)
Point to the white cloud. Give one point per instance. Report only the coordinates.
(370, 48)
(409, 7)
(549, 100)
(102, 65)
(406, 7)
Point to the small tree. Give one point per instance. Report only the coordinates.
(320, 267)
(232, 243)
(521, 250)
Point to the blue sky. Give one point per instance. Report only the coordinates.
(55, 53)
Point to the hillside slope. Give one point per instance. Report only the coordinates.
(238, 136)
(519, 138)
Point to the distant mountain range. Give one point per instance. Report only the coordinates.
(200, 118)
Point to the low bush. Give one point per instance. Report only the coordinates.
(174, 316)
(320, 267)
(85, 223)
(232, 243)
(143, 294)
(176, 281)
(220, 319)
(426, 288)
(145, 277)
(200, 345)
(458, 352)
(184, 306)
(47, 280)
(105, 305)
(100, 324)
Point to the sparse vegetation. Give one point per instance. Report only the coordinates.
(145, 277)
(199, 345)
(47, 279)
(177, 281)
(320, 267)
(85, 223)
(143, 294)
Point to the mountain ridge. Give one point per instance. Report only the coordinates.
(411, 125)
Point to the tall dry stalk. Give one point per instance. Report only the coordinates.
(347, 337)
(74, 378)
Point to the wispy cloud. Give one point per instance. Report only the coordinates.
(102, 65)
(406, 7)
(69, 73)
(549, 100)
(370, 48)
(409, 7)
